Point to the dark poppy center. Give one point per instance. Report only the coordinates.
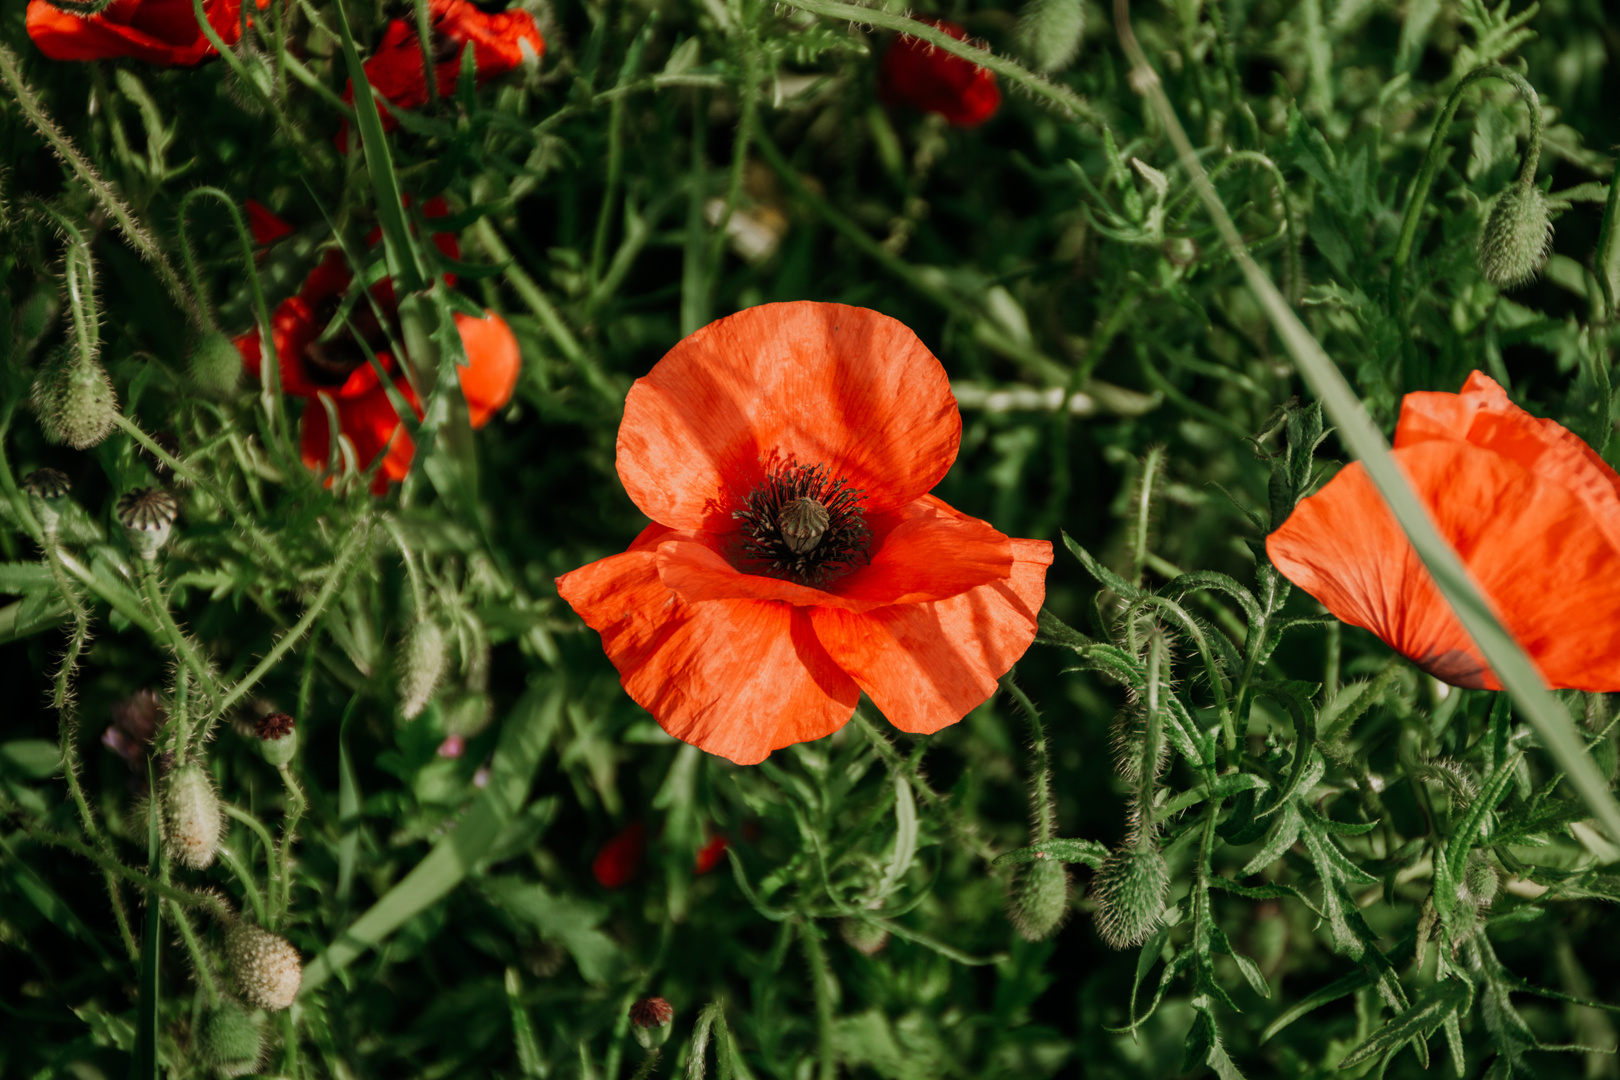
(804, 526)
(331, 362)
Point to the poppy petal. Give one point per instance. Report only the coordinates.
(922, 552)
(493, 362)
(738, 678)
(928, 665)
(819, 384)
(916, 73)
(1531, 545)
(264, 223)
(157, 31)
(1482, 414)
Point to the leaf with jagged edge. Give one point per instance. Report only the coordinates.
(1429, 1010)
(1105, 577)
(1284, 831)
(1089, 852)
(1209, 579)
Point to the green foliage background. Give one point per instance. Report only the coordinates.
(1058, 265)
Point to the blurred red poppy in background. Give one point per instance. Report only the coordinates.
(157, 31)
(501, 42)
(795, 558)
(710, 855)
(925, 77)
(620, 857)
(1533, 512)
(265, 225)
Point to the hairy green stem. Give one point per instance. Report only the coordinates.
(821, 986)
(1607, 241)
(178, 642)
(210, 902)
(244, 876)
(1040, 791)
(271, 865)
(1144, 511)
(289, 834)
(199, 959)
(1147, 779)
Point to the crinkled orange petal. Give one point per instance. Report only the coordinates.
(493, 363)
(821, 384)
(1484, 416)
(928, 665)
(1531, 546)
(738, 678)
(922, 551)
(158, 31)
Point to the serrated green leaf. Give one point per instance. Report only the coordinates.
(1429, 1010)
(1105, 577)
(1089, 852)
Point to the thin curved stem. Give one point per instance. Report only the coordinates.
(270, 861)
(199, 959)
(821, 986)
(1040, 792)
(289, 834)
(178, 642)
(211, 902)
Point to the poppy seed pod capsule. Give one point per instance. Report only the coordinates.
(1040, 899)
(277, 737)
(650, 1021)
(47, 493)
(421, 666)
(1130, 892)
(1049, 31)
(215, 365)
(1517, 237)
(147, 515)
(265, 966)
(230, 1040)
(75, 400)
(192, 819)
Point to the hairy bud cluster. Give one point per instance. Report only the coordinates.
(1517, 237)
(1040, 899)
(265, 966)
(192, 819)
(1130, 891)
(421, 667)
(75, 399)
(215, 365)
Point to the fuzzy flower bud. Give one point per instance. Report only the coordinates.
(47, 493)
(215, 365)
(864, 937)
(1049, 32)
(266, 967)
(650, 1021)
(1481, 881)
(147, 515)
(1130, 892)
(421, 666)
(192, 819)
(277, 737)
(1040, 900)
(1517, 237)
(75, 400)
(230, 1040)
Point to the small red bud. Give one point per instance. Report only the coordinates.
(619, 858)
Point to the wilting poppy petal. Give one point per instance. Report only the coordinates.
(1533, 547)
(915, 73)
(927, 665)
(620, 857)
(826, 384)
(263, 223)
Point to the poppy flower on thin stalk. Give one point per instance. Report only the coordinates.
(926, 77)
(620, 857)
(501, 43)
(1534, 515)
(795, 557)
(158, 31)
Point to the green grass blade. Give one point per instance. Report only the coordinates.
(348, 808)
(524, 737)
(1504, 654)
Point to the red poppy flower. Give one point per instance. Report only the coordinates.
(157, 31)
(710, 855)
(918, 74)
(795, 558)
(263, 223)
(620, 857)
(1533, 512)
(501, 42)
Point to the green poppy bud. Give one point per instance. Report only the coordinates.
(216, 365)
(266, 967)
(421, 666)
(230, 1039)
(147, 515)
(75, 400)
(192, 819)
(277, 738)
(1130, 891)
(1517, 237)
(1481, 881)
(1049, 32)
(1040, 899)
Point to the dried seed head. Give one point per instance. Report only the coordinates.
(1130, 893)
(192, 819)
(1049, 32)
(864, 937)
(75, 400)
(650, 1021)
(147, 515)
(216, 365)
(266, 967)
(47, 493)
(1517, 237)
(421, 666)
(277, 737)
(1040, 899)
(230, 1039)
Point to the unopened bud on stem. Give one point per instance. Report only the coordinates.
(1517, 237)
(75, 400)
(265, 966)
(1130, 893)
(230, 1039)
(192, 819)
(1040, 899)
(421, 666)
(216, 365)
(1049, 32)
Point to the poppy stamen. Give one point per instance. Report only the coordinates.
(803, 526)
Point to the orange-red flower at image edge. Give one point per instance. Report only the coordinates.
(796, 559)
(1533, 512)
(157, 31)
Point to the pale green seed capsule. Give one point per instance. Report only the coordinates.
(215, 365)
(75, 400)
(1040, 899)
(192, 819)
(1049, 32)
(1130, 892)
(230, 1040)
(421, 666)
(1517, 238)
(148, 516)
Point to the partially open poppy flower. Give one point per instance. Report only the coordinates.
(620, 857)
(157, 31)
(915, 73)
(1533, 512)
(795, 558)
(338, 369)
(501, 42)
